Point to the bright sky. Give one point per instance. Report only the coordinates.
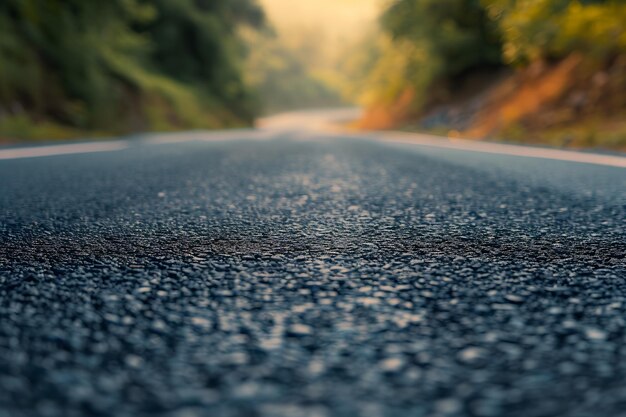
(343, 19)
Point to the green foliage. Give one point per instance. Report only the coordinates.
(430, 46)
(552, 29)
(426, 43)
(383, 69)
(586, 133)
(458, 32)
(123, 65)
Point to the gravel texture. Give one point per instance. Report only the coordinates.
(317, 277)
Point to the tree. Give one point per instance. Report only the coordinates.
(120, 65)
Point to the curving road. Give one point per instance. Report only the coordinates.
(295, 272)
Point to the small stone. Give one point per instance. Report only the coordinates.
(200, 321)
(555, 310)
(514, 298)
(595, 334)
(391, 364)
(502, 307)
(448, 406)
(471, 355)
(300, 330)
(133, 361)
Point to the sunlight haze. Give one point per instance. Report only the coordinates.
(340, 19)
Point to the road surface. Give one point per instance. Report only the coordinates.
(290, 272)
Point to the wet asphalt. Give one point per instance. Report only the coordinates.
(306, 276)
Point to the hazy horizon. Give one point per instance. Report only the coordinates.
(341, 20)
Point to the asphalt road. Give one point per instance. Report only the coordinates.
(294, 274)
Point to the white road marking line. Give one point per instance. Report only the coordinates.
(117, 145)
(503, 149)
(74, 148)
(393, 137)
(205, 136)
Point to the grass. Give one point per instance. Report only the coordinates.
(595, 133)
(20, 128)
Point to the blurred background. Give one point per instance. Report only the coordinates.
(533, 71)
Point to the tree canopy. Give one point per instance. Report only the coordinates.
(123, 65)
(427, 45)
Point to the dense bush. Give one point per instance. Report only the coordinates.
(429, 45)
(121, 65)
(549, 29)
(426, 43)
(458, 32)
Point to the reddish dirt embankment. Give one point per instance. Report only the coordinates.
(569, 103)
